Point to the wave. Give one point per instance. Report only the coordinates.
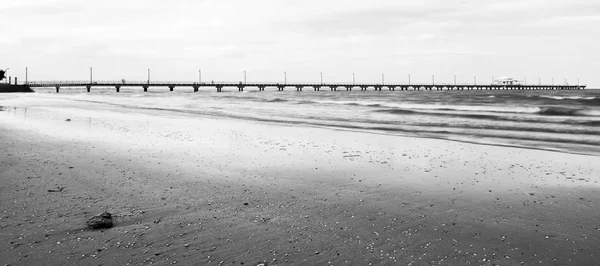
(356, 103)
(419, 130)
(590, 123)
(456, 115)
(491, 117)
(564, 111)
(432, 128)
(568, 97)
(276, 100)
(400, 108)
(433, 107)
(253, 98)
(395, 111)
(425, 126)
(237, 97)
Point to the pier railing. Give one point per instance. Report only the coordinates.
(333, 86)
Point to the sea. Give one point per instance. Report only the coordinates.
(556, 120)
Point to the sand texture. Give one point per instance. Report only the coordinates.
(198, 190)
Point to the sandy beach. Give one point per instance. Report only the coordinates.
(202, 190)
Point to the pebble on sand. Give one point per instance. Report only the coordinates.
(103, 220)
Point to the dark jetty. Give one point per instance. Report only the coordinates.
(14, 88)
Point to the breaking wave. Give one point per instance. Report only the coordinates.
(406, 108)
(568, 97)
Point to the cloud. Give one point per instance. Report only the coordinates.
(42, 10)
(569, 20)
(370, 21)
(334, 36)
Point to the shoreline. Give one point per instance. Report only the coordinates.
(314, 195)
(553, 134)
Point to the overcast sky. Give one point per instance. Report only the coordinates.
(61, 39)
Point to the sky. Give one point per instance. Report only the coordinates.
(426, 39)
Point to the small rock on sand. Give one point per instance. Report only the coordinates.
(103, 220)
(58, 189)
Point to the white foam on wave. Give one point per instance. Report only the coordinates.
(589, 112)
(440, 107)
(568, 97)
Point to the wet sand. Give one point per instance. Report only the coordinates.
(210, 191)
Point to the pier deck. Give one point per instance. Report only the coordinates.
(294, 86)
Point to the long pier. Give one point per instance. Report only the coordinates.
(297, 86)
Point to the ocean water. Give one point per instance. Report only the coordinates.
(564, 121)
